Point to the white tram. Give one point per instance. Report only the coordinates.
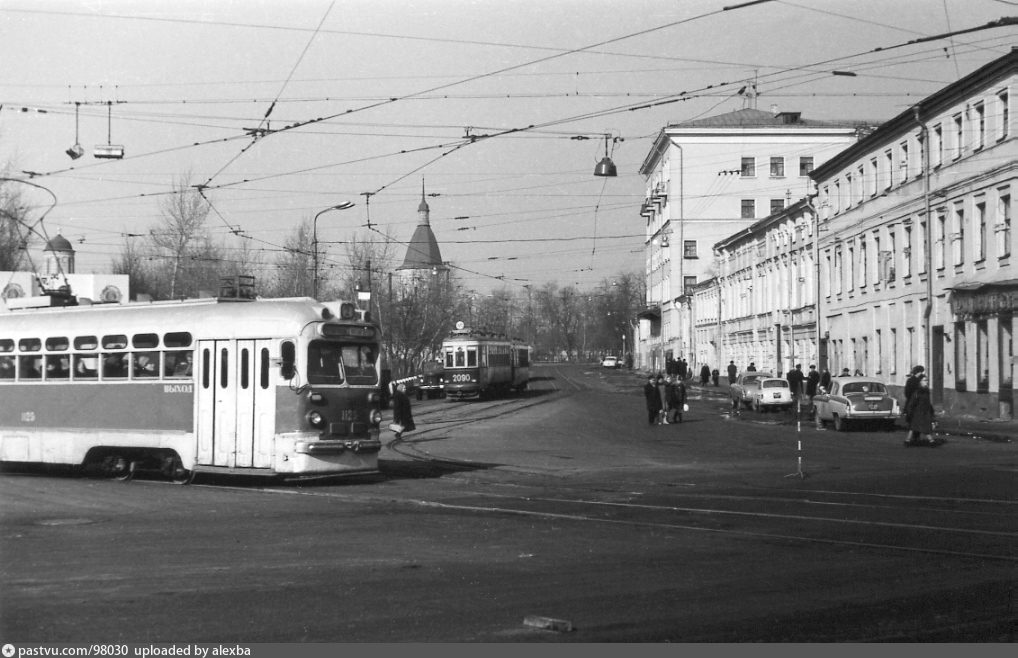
(283, 387)
(479, 364)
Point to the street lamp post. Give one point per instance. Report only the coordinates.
(314, 242)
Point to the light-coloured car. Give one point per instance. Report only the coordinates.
(610, 362)
(745, 387)
(772, 392)
(854, 399)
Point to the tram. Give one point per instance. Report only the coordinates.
(479, 364)
(279, 387)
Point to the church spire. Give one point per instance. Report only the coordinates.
(423, 211)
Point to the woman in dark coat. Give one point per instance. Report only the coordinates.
(919, 414)
(653, 396)
(401, 414)
(676, 399)
(704, 374)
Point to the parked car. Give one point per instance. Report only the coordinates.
(771, 392)
(431, 381)
(745, 387)
(610, 362)
(855, 399)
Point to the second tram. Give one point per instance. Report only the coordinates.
(479, 364)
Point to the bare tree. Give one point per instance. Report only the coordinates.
(12, 228)
(293, 266)
(183, 222)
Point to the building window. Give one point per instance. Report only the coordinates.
(838, 270)
(851, 268)
(982, 357)
(849, 191)
(836, 197)
(689, 249)
(1004, 224)
(872, 181)
(748, 167)
(687, 284)
(981, 222)
(939, 238)
(979, 119)
(959, 135)
(937, 145)
(959, 234)
(805, 165)
(889, 173)
(923, 227)
(906, 262)
(960, 357)
(863, 262)
(894, 351)
(777, 205)
(860, 184)
(777, 167)
(1005, 352)
(1004, 114)
(748, 208)
(829, 272)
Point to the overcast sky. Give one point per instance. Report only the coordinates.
(399, 86)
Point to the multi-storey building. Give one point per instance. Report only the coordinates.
(706, 179)
(766, 293)
(916, 245)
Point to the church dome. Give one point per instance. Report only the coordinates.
(59, 243)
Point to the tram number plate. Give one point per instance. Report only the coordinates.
(461, 378)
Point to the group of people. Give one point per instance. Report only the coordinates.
(666, 399)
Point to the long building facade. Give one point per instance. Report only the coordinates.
(903, 255)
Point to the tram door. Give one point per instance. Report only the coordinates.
(235, 404)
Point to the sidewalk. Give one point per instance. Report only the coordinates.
(990, 429)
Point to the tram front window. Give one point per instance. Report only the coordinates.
(359, 363)
(336, 363)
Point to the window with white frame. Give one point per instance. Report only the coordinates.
(959, 135)
(748, 208)
(849, 190)
(777, 166)
(1003, 224)
(978, 126)
(982, 228)
(805, 165)
(872, 180)
(689, 249)
(748, 167)
(904, 164)
(906, 261)
(777, 205)
(888, 169)
(937, 145)
(1003, 114)
(939, 240)
(958, 238)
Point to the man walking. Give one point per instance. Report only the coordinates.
(733, 372)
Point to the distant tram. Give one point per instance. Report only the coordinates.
(282, 387)
(480, 364)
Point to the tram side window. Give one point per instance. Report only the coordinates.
(177, 364)
(146, 365)
(7, 369)
(86, 366)
(472, 358)
(58, 366)
(30, 366)
(460, 357)
(114, 363)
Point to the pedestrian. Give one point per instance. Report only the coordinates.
(812, 382)
(912, 382)
(677, 400)
(671, 366)
(662, 390)
(653, 398)
(704, 374)
(751, 367)
(845, 372)
(733, 372)
(795, 378)
(919, 414)
(715, 376)
(402, 417)
(825, 380)
(683, 369)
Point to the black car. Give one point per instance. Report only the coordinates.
(431, 381)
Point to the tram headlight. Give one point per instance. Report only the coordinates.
(316, 419)
(376, 417)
